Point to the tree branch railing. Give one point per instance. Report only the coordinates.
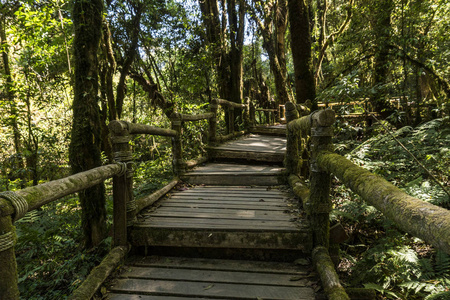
(429, 222)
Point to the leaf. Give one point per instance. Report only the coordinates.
(208, 287)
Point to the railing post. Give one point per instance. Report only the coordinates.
(8, 275)
(320, 181)
(124, 212)
(247, 118)
(292, 161)
(252, 112)
(177, 147)
(213, 106)
(230, 119)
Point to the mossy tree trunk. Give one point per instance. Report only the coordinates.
(301, 51)
(84, 151)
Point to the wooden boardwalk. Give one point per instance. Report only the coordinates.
(232, 208)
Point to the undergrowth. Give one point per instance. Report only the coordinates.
(378, 255)
(51, 263)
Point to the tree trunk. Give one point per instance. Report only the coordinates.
(301, 51)
(84, 151)
(381, 26)
(18, 161)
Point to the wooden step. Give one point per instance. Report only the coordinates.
(235, 217)
(258, 148)
(236, 174)
(277, 130)
(170, 278)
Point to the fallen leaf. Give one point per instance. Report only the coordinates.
(208, 287)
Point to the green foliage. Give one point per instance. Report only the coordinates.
(394, 264)
(51, 262)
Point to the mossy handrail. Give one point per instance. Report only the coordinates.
(424, 220)
(13, 205)
(35, 197)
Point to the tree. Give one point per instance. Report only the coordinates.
(301, 51)
(272, 25)
(84, 151)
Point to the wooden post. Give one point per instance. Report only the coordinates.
(123, 200)
(252, 114)
(177, 147)
(320, 181)
(213, 106)
(247, 118)
(231, 119)
(8, 275)
(291, 161)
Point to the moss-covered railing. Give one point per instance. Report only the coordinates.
(14, 205)
(313, 133)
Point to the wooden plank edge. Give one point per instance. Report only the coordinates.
(144, 202)
(99, 274)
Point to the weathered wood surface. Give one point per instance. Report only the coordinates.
(235, 174)
(279, 130)
(177, 278)
(251, 147)
(224, 217)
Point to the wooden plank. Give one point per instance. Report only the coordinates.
(233, 193)
(211, 289)
(236, 277)
(226, 210)
(222, 224)
(264, 179)
(220, 265)
(235, 197)
(275, 239)
(223, 214)
(214, 202)
(119, 296)
(274, 207)
(230, 167)
(248, 155)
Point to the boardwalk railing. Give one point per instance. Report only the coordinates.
(14, 205)
(421, 219)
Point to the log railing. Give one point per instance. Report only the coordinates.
(14, 205)
(421, 219)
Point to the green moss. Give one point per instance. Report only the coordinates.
(424, 220)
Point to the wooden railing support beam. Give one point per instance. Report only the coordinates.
(213, 106)
(177, 146)
(320, 180)
(124, 214)
(8, 275)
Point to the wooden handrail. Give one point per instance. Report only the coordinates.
(30, 198)
(123, 128)
(419, 218)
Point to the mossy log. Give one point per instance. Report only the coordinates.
(199, 117)
(144, 202)
(229, 103)
(419, 218)
(123, 128)
(330, 280)
(322, 118)
(99, 274)
(45, 193)
(301, 190)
